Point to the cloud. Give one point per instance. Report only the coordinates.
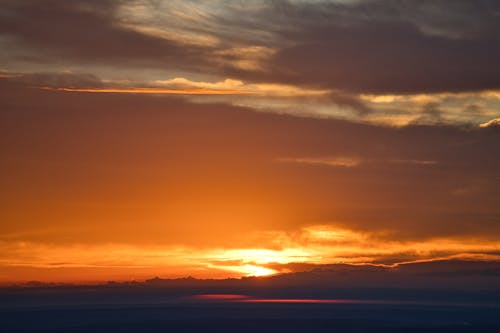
(84, 82)
(87, 31)
(362, 47)
(493, 123)
(350, 162)
(370, 61)
(152, 91)
(393, 110)
(347, 162)
(275, 90)
(379, 57)
(248, 58)
(430, 114)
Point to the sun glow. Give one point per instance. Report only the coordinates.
(252, 270)
(280, 251)
(264, 256)
(252, 262)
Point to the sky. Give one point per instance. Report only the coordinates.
(218, 139)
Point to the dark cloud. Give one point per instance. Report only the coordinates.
(388, 57)
(360, 47)
(384, 46)
(88, 31)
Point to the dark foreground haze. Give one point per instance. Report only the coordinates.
(251, 317)
(340, 298)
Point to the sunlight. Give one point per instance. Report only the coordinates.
(253, 270)
(265, 256)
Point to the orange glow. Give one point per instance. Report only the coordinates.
(248, 270)
(167, 139)
(313, 245)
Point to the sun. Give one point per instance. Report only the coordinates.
(249, 270)
(254, 270)
(254, 262)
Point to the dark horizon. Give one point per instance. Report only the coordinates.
(320, 300)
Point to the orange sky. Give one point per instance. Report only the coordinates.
(138, 142)
(139, 186)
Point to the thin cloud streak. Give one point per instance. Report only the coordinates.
(183, 86)
(153, 91)
(347, 162)
(351, 162)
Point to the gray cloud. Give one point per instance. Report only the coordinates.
(384, 46)
(359, 47)
(88, 31)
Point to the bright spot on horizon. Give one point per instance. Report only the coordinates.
(253, 270)
(248, 270)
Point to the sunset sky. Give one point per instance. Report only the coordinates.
(217, 139)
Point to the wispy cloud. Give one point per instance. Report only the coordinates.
(350, 162)
(347, 162)
(152, 91)
(175, 86)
